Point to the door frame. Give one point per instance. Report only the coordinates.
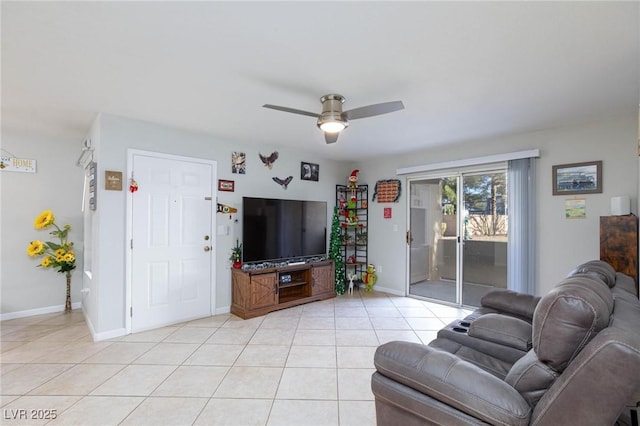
(131, 153)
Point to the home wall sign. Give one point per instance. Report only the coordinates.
(13, 164)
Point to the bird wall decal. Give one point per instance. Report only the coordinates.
(284, 183)
(268, 161)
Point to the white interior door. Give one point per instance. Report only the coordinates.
(172, 240)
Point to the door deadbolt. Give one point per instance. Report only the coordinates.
(206, 238)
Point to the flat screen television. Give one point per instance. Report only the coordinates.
(277, 229)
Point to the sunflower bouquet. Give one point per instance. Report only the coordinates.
(57, 255)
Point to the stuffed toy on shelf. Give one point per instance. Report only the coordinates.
(353, 178)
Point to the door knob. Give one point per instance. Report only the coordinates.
(206, 238)
(207, 248)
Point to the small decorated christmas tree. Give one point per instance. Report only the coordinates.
(335, 251)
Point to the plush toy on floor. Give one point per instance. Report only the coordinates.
(369, 278)
(351, 278)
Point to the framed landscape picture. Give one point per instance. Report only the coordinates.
(577, 178)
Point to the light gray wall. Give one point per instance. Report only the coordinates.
(562, 243)
(56, 186)
(117, 135)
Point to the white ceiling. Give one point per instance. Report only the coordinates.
(464, 70)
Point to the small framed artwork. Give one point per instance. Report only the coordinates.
(575, 208)
(309, 171)
(226, 185)
(577, 178)
(238, 162)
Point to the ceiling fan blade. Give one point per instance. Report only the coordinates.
(371, 110)
(331, 137)
(292, 110)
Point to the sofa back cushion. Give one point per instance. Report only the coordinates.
(568, 317)
(598, 268)
(565, 320)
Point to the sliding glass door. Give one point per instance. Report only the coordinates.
(432, 238)
(484, 254)
(457, 238)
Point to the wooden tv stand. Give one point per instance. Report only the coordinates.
(258, 292)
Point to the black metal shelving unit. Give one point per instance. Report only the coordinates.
(353, 207)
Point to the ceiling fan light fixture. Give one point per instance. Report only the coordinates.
(332, 126)
(331, 119)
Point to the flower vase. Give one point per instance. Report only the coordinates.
(237, 264)
(67, 305)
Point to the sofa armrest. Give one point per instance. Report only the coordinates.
(511, 302)
(503, 330)
(452, 381)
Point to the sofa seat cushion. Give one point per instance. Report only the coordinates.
(489, 342)
(491, 364)
(452, 381)
(531, 377)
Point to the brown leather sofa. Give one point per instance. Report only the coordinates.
(571, 357)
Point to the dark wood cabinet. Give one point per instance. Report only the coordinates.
(619, 244)
(259, 292)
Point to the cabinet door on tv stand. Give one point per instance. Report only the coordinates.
(263, 290)
(322, 279)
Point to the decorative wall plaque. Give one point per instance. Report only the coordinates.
(112, 180)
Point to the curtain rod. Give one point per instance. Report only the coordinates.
(532, 153)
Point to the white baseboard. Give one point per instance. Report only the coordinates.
(105, 334)
(87, 321)
(393, 291)
(223, 310)
(109, 334)
(37, 311)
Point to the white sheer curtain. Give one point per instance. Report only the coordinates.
(521, 241)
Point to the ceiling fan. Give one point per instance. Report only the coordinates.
(333, 120)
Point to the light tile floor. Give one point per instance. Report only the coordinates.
(307, 365)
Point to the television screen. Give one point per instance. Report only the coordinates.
(276, 229)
